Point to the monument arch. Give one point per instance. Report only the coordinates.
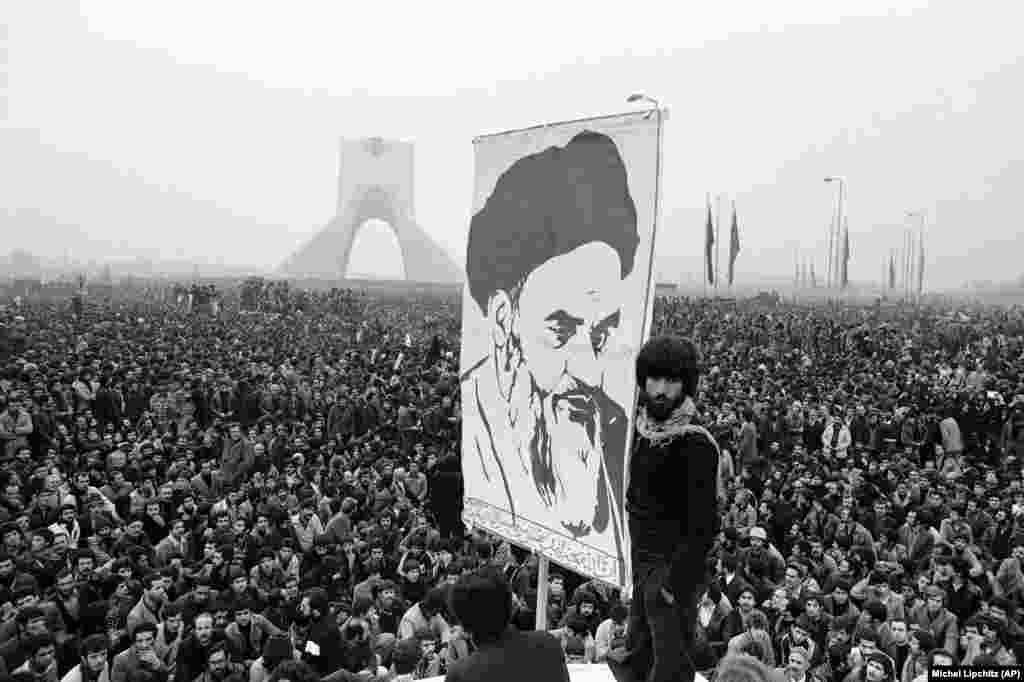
(375, 181)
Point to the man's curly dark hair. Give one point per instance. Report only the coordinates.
(669, 357)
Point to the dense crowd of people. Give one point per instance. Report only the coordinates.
(277, 495)
(257, 294)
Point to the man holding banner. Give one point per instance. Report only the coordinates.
(673, 515)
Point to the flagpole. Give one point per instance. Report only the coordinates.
(734, 246)
(916, 260)
(704, 256)
(834, 233)
(910, 265)
(906, 249)
(899, 251)
(891, 272)
(920, 263)
(906, 278)
(846, 252)
(796, 269)
(846, 267)
(902, 261)
(718, 239)
(840, 219)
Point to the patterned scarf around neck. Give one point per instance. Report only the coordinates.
(660, 432)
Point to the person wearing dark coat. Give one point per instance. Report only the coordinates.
(325, 650)
(106, 405)
(482, 604)
(670, 501)
(444, 494)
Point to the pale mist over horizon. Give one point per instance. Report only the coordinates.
(209, 132)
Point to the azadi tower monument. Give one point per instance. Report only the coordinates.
(375, 181)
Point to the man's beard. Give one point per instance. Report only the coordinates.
(565, 434)
(659, 406)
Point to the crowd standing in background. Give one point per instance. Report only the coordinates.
(275, 493)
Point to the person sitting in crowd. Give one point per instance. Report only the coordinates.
(272, 489)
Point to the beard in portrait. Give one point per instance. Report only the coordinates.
(547, 258)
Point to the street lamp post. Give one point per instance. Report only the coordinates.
(640, 97)
(834, 233)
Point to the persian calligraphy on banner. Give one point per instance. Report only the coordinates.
(555, 308)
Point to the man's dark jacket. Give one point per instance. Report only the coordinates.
(327, 636)
(672, 502)
(516, 657)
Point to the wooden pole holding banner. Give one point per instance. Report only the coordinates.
(541, 619)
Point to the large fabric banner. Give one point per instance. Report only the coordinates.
(556, 305)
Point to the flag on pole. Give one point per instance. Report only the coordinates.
(846, 257)
(734, 243)
(709, 245)
(814, 280)
(892, 271)
(796, 277)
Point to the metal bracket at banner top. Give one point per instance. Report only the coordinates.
(542, 126)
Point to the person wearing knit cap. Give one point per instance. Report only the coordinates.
(759, 543)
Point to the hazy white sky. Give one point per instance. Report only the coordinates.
(210, 129)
